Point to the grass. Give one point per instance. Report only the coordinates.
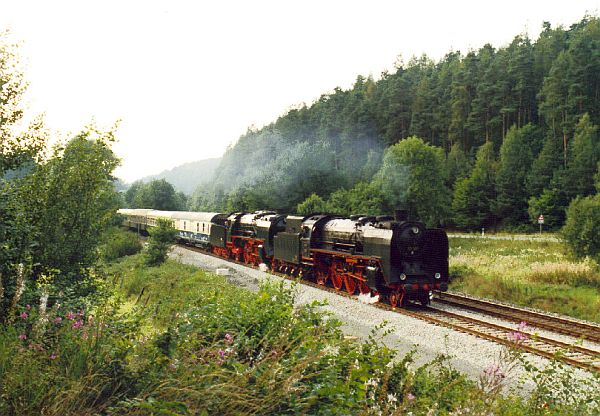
(540, 274)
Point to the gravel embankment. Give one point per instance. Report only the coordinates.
(469, 354)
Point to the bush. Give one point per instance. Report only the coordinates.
(119, 243)
(161, 238)
(582, 228)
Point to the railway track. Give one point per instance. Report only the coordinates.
(571, 354)
(552, 323)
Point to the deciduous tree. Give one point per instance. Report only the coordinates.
(413, 176)
(70, 200)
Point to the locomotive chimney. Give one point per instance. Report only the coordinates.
(401, 215)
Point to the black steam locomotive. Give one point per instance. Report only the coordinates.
(390, 257)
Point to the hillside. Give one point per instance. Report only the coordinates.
(187, 177)
(511, 131)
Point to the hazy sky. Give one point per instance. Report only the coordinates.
(187, 78)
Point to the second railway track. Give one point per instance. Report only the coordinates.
(539, 320)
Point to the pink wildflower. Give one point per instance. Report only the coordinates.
(22, 337)
(28, 307)
(410, 397)
(228, 339)
(23, 315)
(523, 326)
(221, 359)
(57, 320)
(516, 336)
(71, 316)
(77, 324)
(53, 357)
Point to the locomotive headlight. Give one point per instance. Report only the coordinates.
(438, 275)
(415, 230)
(402, 276)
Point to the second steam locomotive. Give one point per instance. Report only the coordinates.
(390, 257)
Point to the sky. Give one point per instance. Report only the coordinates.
(188, 78)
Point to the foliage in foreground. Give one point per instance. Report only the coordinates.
(186, 342)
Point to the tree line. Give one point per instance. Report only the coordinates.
(492, 138)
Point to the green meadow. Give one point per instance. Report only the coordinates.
(538, 274)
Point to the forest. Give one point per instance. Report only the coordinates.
(491, 138)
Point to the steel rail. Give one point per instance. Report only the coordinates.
(572, 354)
(577, 329)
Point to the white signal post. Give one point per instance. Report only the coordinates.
(541, 221)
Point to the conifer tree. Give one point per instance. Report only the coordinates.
(474, 196)
(585, 155)
(515, 161)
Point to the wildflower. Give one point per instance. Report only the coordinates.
(71, 316)
(22, 337)
(77, 324)
(372, 382)
(516, 336)
(523, 326)
(23, 315)
(221, 359)
(28, 307)
(57, 320)
(53, 357)
(228, 339)
(410, 397)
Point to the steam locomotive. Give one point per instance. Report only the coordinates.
(391, 257)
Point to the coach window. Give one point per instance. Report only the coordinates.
(184, 225)
(197, 227)
(202, 227)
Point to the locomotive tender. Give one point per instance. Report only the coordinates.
(397, 259)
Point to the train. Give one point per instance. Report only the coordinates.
(394, 258)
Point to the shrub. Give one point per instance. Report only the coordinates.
(582, 228)
(119, 243)
(161, 238)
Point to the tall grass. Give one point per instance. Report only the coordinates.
(75, 366)
(540, 274)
